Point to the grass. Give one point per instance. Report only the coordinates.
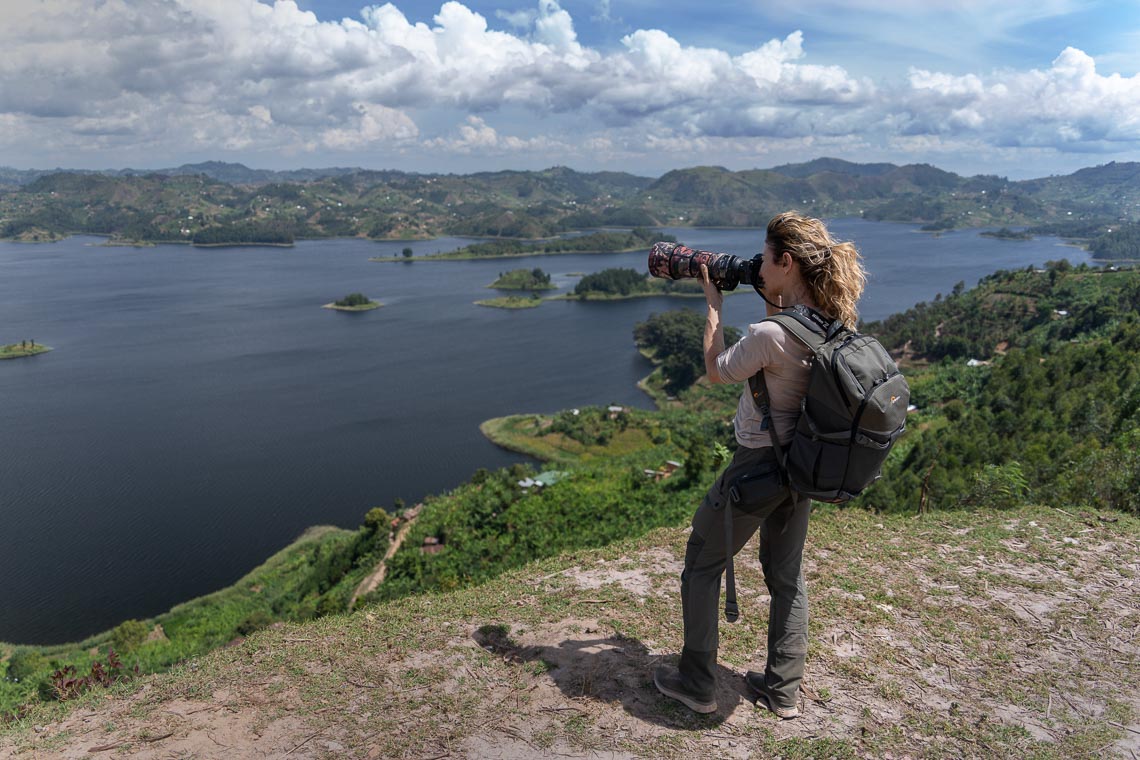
(511, 302)
(556, 657)
(17, 351)
(193, 627)
(523, 433)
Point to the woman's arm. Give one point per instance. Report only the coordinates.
(714, 330)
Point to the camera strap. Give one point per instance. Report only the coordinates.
(756, 279)
(731, 608)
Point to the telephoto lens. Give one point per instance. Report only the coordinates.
(673, 261)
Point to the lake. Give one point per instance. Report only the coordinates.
(200, 409)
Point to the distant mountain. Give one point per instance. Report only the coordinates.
(239, 174)
(232, 174)
(715, 196)
(834, 165)
(188, 202)
(1111, 177)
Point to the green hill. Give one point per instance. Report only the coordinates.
(217, 203)
(834, 166)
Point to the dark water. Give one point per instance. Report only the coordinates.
(200, 410)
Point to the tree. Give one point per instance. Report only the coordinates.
(676, 339)
(376, 518)
(128, 635)
(353, 299)
(23, 664)
(407, 253)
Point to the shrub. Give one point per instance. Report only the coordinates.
(65, 684)
(128, 635)
(998, 487)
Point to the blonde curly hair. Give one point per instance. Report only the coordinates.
(832, 271)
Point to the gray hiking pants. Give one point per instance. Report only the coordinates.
(782, 520)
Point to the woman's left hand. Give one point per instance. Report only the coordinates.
(713, 296)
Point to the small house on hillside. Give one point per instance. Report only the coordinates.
(664, 471)
(542, 479)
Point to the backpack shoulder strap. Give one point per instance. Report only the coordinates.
(808, 326)
(813, 330)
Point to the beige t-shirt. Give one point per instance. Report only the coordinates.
(785, 362)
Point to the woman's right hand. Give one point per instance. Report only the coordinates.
(713, 297)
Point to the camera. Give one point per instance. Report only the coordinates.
(674, 261)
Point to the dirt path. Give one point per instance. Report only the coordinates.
(376, 577)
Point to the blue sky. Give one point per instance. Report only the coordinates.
(1017, 88)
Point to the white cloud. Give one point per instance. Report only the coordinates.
(1068, 106)
(232, 75)
(476, 136)
(372, 124)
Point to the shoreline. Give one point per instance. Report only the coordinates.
(446, 257)
(488, 257)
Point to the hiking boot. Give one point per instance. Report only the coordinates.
(672, 683)
(759, 684)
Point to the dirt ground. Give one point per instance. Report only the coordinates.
(1014, 638)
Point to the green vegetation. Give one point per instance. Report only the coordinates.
(354, 302)
(512, 302)
(595, 242)
(525, 211)
(615, 284)
(22, 349)
(353, 299)
(1005, 233)
(1119, 242)
(243, 234)
(314, 576)
(523, 279)
(1055, 415)
(675, 340)
(621, 282)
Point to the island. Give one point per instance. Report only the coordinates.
(523, 279)
(615, 284)
(512, 302)
(22, 349)
(353, 302)
(622, 241)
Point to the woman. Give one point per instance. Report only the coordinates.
(801, 264)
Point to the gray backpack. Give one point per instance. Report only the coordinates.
(854, 410)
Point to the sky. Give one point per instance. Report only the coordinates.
(1018, 88)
